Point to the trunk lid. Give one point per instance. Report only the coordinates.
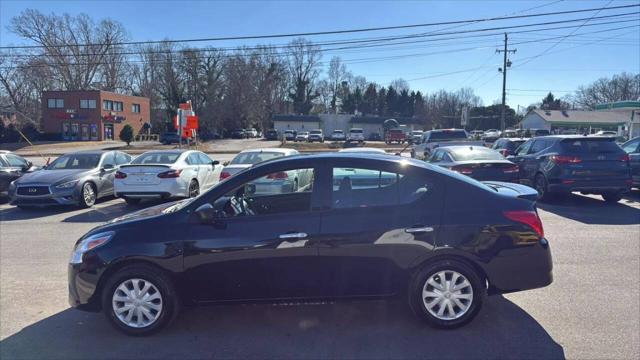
(143, 175)
(515, 190)
(593, 158)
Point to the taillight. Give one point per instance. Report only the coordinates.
(529, 218)
(170, 174)
(511, 169)
(625, 158)
(561, 159)
(462, 170)
(120, 175)
(280, 175)
(224, 175)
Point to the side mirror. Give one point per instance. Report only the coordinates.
(215, 162)
(108, 166)
(225, 163)
(207, 214)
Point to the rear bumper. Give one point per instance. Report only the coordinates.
(590, 186)
(520, 269)
(165, 189)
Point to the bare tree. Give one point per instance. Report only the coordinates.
(620, 87)
(303, 69)
(336, 76)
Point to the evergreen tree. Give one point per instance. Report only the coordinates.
(370, 100)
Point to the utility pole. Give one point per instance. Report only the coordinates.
(505, 64)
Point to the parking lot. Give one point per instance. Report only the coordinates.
(590, 311)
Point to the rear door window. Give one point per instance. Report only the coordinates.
(589, 146)
(524, 149)
(122, 158)
(539, 145)
(109, 159)
(631, 147)
(204, 159)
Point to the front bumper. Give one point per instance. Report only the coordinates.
(56, 197)
(83, 285)
(520, 269)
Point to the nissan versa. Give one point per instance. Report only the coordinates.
(364, 227)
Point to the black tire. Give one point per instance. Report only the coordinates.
(419, 283)
(194, 188)
(169, 298)
(86, 200)
(612, 197)
(541, 185)
(132, 201)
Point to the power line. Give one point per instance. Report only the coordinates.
(332, 32)
(365, 41)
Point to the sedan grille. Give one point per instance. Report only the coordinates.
(33, 190)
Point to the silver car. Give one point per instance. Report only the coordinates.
(78, 178)
(277, 183)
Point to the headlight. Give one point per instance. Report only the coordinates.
(68, 184)
(89, 243)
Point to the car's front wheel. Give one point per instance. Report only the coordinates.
(139, 300)
(446, 294)
(88, 195)
(194, 189)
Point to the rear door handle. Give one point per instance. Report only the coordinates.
(293, 236)
(420, 229)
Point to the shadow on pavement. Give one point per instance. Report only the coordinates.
(14, 213)
(591, 210)
(376, 329)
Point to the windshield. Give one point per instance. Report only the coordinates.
(467, 154)
(255, 157)
(157, 158)
(75, 161)
(356, 131)
(316, 132)
(337, 131)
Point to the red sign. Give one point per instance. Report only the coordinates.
(192, 122)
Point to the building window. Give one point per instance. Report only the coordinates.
(117, 106)
(87, 104)
(135, 108)
(55, 103)
(107, 105)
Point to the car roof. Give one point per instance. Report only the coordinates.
(89, 152)
(447, 130)
(5, 152)
(464, 147)
(363, 150)
(279, 150)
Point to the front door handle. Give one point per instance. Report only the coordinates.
(293, 236)
(420, 229)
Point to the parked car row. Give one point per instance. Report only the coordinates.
(354, 135)
(245, 133)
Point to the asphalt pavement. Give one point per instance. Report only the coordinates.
(592, 310)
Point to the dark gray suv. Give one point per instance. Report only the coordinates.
(78, 178)
(565, 163)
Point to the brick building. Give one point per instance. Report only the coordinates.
(92, 114)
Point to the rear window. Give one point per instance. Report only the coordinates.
(447, 135)
(316, 132)
(590, 146)
(356, 131)
(255, 157)
(157, 158)
(476, 154)
(395, 131)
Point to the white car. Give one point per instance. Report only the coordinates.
(302, 136)
(278, 183)
(166, 174)
(338, 135)
(356, 135)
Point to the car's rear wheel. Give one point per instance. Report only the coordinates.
(132, 201)
(194, 189)
(542, 187)
(139, 300)
(612, 197)
(446, 294)
(88, 195)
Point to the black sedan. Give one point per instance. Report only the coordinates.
(12, 166)
(477, 162)
(78, 178)
(409, 228)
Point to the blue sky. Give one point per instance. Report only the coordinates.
(564, 66)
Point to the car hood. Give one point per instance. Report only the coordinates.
(150, 212)
(52, 176)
